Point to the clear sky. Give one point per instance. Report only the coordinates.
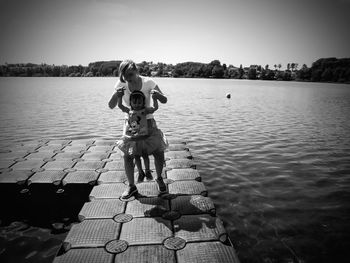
(235, 32)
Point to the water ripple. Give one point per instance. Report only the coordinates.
(275, 157)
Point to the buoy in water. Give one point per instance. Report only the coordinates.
(228, 95)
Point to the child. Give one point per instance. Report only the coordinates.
(136, 129)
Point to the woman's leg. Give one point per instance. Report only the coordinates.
(159, 164)
(129, 170)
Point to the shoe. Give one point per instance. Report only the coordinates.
(129, 192)
(149, 176)
(141, 177)
(161, 185)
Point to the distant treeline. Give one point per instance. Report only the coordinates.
(324, 70)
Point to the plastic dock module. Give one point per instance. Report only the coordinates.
(178, 226)
(102, 208)
(147, 253)
(81, 177)
(112, 177)
(146, 231)
(86, 255)
(147, 207)
(15, 177)
(207, 252)
(193, 204)
(47, 177)
(92, 233)
(178, 155)
(183, 174)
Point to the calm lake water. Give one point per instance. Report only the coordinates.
(275, 157)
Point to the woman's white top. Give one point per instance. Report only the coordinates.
(148, 84)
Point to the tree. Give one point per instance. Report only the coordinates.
(241, 72)
(29, 72)
(252, 73)
(233, 72)
(292, 66)
(215, 63)
(327, 75)
(316, 75)
(304, 73)
(287, 76)
(56, 71)
(217, 71)
(177, 72)
(347, 75)
(115, 73)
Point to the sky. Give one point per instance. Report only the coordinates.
(235, 32)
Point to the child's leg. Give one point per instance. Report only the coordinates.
(146, 161)
(147, 167)
(139, 167)
(138, 163)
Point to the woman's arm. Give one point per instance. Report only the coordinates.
(155, 104)
(154, 108)
(159, 95)
(114, 100)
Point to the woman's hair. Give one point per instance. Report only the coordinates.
(124, 67)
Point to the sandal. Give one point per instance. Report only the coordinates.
(161, 185)
(149, 176)
(129, 192)
(141, 177)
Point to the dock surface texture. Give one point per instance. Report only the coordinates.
(178, 226)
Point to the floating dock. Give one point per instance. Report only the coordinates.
(178, 226)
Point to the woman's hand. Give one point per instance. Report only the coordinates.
(120, 92)
(155, 94)
(158, 95)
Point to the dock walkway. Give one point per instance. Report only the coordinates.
(180, 226)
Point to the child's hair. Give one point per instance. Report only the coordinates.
(124, 67)
(137, 95)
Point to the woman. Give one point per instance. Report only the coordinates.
(130, 81)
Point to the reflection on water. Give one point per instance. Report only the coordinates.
(20, 242)
(275, 157)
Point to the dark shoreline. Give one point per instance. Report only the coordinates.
(306, 81)
(324, 70)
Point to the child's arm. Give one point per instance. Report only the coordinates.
(121, 106)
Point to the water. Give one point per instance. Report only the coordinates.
(275, 157)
